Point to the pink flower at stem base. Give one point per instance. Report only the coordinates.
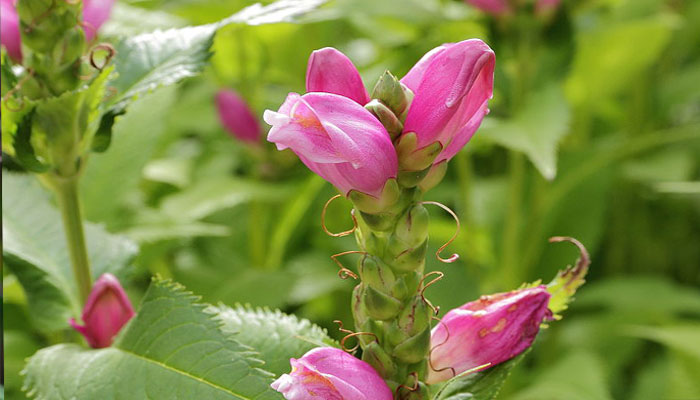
(327, 373)
(490, 330)
(106, 311)
(452, 85)
(337, 139)
(236, 116)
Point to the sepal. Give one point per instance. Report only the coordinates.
(386, 116)
(412, 158)
(373, 205)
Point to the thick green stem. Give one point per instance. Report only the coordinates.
(512, 227)
(66, 190)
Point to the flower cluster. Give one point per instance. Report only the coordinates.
(359, 142)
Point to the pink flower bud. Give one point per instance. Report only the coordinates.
(9, 29)
(95, 13)
(452, 85)
(546, 6)
(336, 138)
(236, 116)
(490, 330)
(331, 374)
(331, 71)
(495, 7)
(106, 311)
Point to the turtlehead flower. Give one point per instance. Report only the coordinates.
(496, 7)
(452, 85)
(106, 311)
(95, 13)
(336, 138)
(331, 71)
(490, 330)
(236, 116)
(9, 29)
(327, 373)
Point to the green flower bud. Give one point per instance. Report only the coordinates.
(392, 93)
(415, 348)
(379, 359)
(435, 175)
(381, 222)
(412, 158)
(406, 284)
(405, 259)
(378, 305)
(372, 205)
(386, 116)
(412, 178)
(412, 227)
(415, 317)
(44, 22)
(374, 273)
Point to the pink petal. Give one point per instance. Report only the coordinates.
(331, 71)
(95, 13)
(9, 30)
(236, 116)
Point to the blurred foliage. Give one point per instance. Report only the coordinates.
(594, 133)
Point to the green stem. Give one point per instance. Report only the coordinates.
(66, 190)
(257, 223)
(511, 230)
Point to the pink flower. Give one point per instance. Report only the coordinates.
(327, 373)
(95, 13)
(496, 7)
(9, 29)
(331, 71)
(106, 311)
(452, 84)
(336, 138)
(490, 330)
(546, 6)
(236, 117)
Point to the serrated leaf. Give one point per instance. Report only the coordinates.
(483, 385)
(172, 349)
(275, 335)
(536, 130)
(34, 249)
(147, 61)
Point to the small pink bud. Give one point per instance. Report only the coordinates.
(546, 6)
(236, 116)
(495, 7)
(106, 311)
(95, 13)
(9, 29)
(452, 84)
(490, 330)
(336, 138)
(331, 374)
(331, 71)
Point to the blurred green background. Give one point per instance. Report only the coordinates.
(594, 132)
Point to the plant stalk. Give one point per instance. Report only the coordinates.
(66, 190)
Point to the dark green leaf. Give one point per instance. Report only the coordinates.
(275, 335)
(483, 385)
(172, 349)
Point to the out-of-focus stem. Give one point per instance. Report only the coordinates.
(66, 190)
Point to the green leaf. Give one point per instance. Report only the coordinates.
(22, 148)
(34, 249)
(536, 130)
(483, 385)
(275, 335)
(605, 64)
(577, 376)
(130, 149)
(218, 193)
(147, 61)
(172, 349)
(684, 338)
